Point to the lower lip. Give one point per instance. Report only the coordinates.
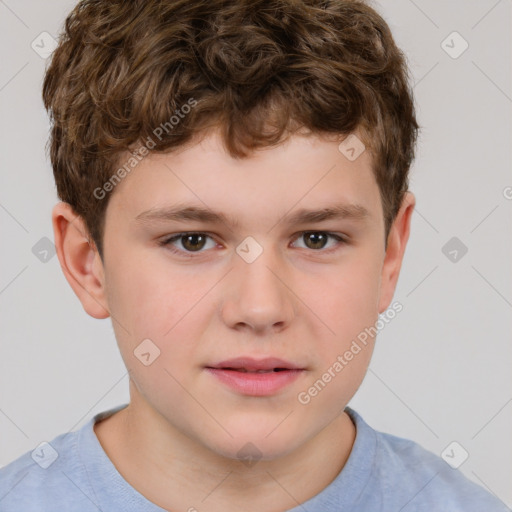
(255, 384)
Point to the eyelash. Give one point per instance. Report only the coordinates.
(189, 254)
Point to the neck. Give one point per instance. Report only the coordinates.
(177, 473)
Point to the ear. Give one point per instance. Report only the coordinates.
(397, 240)
(80, 260)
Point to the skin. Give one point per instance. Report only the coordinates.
(177, 441)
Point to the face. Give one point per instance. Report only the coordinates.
(255, 279)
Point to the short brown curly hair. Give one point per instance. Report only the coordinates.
(258, 69)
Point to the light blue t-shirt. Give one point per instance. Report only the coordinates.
(383, 473)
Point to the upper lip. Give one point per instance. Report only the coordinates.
(251, 364)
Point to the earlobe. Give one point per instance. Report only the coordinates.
(79, 260)
(397, 242)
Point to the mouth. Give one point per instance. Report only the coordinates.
(251, 365)
(248, 376)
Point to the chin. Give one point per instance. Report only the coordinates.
(251, 445)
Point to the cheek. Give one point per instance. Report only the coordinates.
(349, 307)
(154, 298)
(349, 300)
(148, 301)
(351, 311)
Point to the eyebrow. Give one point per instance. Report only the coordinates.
(350, 211)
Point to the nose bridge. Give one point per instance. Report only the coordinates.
(258, 296)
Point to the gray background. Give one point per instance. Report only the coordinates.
(441, 369)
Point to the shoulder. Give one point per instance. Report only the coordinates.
(406, 474)
(50, 476)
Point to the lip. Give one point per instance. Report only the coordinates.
(231, 373)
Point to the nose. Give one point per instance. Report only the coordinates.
(258, 297)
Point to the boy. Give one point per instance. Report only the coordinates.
(278, 137)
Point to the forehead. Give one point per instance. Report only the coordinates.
(303, 173)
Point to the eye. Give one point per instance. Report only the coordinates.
(194, 242)
(317, 240)
(191, 242)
